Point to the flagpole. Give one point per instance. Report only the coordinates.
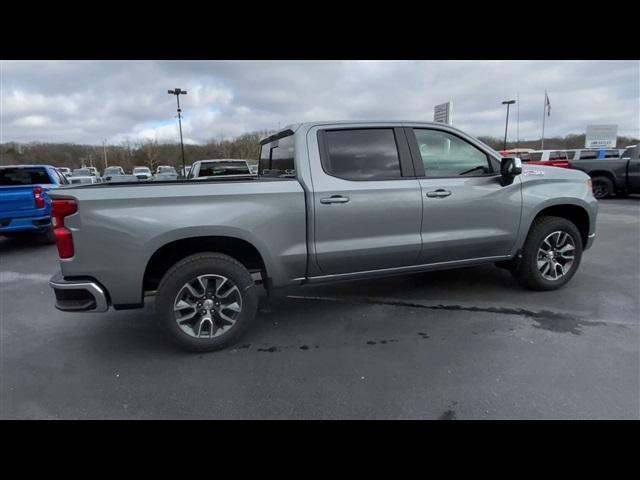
(518, 121)
(544, 114)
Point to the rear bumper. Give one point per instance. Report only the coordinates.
(79, 295)
(26, 224)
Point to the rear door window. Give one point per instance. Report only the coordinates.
(362, 154)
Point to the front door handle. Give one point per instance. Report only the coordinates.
(440, 193)
(334, 199)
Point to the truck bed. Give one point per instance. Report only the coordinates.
(119, 226)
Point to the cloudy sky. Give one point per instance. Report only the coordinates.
(86, 102)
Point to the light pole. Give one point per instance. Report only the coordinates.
(507, 103)
(177, 92)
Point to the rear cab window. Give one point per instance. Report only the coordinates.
(277, 158)
(10, 176)
(214, 169)
(558, 155)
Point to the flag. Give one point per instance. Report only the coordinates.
(547, 104)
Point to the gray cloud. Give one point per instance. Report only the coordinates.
(85, 102)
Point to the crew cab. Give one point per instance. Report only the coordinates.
(25, 203)
(612, 176)
(333, 201)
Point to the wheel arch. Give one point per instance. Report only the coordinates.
(575, 213)
(171, 252)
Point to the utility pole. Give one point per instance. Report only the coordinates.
(506, 126)
(104, 151)
(177, 92)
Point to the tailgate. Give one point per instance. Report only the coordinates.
(16, 198)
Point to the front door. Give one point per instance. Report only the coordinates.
(467, 211)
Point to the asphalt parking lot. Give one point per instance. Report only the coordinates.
(459, 344)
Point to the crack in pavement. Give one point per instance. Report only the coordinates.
(545, 319)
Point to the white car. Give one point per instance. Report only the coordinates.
(143, 173)
(82, 176)
(66, 171)
(165, 173)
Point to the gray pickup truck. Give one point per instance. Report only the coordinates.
(333, 201)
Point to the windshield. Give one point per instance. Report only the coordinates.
(81, 171)
(141, 170)
(277, 158)
(23, 176)
(212, 169)
(166, 170)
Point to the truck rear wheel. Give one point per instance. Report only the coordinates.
(602, 187)
(206, 301)
(551, 254)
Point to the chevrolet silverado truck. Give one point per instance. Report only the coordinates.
(333, 201)
(25, 203)
(613, 176)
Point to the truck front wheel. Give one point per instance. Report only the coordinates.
(206, 301)
(602, 187)
(551, 254)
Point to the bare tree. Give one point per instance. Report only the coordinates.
(150, 151)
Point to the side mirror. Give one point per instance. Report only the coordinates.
(510, 167)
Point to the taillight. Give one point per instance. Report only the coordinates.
(37, 197)
(63, 208)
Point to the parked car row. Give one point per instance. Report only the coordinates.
(613, 171)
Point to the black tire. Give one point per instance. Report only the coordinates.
(48, 236)
(186, 270)
(527, 272)
(602, 187)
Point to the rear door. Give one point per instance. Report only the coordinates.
(467, 211)
(367, 203)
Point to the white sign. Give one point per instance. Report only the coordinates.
(443, 113)
(601, 136)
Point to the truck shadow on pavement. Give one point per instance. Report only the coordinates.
(22, 243)
(331, 316)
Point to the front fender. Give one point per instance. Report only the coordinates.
(541, 194)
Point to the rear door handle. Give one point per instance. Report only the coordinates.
(440, 193)
(334, 199)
